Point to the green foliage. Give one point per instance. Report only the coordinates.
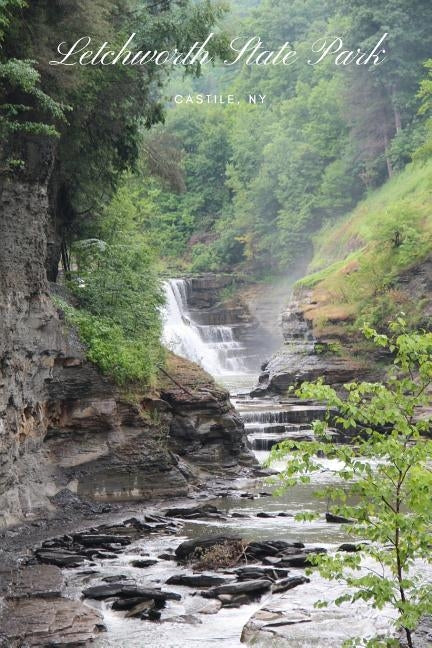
(383, 481)
(260, 180)
(425, 95)
(24, 107)
(123, 357)
(119, 294)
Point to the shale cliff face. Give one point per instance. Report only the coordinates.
(306, 357)
(29, 332)
(312, 349)
(64, 428)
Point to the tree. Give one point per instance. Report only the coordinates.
(387, 92)
(384, 480)
(110, 107)
(25, 107)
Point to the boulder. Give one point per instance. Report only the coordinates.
(288, 583)
(337, 519)
(122, 590)
(237, 601)
(212, 607)
(188, 548)
(120, 605)
(195, 512)
(350, 547)
(142, 564)
(252, 588)
(267, 573)
(259, 550)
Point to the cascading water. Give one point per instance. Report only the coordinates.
(214, 347)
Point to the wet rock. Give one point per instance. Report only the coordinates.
(259, 550)
(121, 605)
(188, 548)
(137, 524)
(196, 512)
(212, 607)
(337, 519)
(44, 581)
(350, 548)
(239, 515)
(115, 579)
(288, 583)
(238, 601)
(198, 580)
(283, 514)
(151, 615)
(60, 559)
(102, 555)
(142, 564)
(100, 592)
(268, 573)
(100, 540)
(184, 618)
(263, 514)
(276, 625)
(252, 588)
(300, 560)
(39, 622)
(138, 610)
(166, 556)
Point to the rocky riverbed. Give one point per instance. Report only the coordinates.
(227, 564)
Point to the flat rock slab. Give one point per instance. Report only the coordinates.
(43, 622)
(100, 592)
(288, 583)
(37, 580)
(195, 512)
(251, 588)
(198, 580)
(252, 573)
(60, 558)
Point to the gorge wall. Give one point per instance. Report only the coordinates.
(333, 347)
(66, 430)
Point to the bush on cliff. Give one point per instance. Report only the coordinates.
(119, 295)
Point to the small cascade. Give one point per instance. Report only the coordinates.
(214, 347)
(268, 422)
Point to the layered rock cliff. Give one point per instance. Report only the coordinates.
(320, 338)
(306, 357)
(63, 426)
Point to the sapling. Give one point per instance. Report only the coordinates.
(383, 481)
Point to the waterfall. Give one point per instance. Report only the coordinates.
(213, 347)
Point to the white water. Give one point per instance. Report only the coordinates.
(213, 347)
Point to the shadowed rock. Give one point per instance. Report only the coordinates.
(251, 588)
(198, 580)
(100, 592)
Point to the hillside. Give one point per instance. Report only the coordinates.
(375, 262)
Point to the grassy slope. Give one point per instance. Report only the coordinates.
(357, 261)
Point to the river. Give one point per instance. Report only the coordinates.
(267, 421)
